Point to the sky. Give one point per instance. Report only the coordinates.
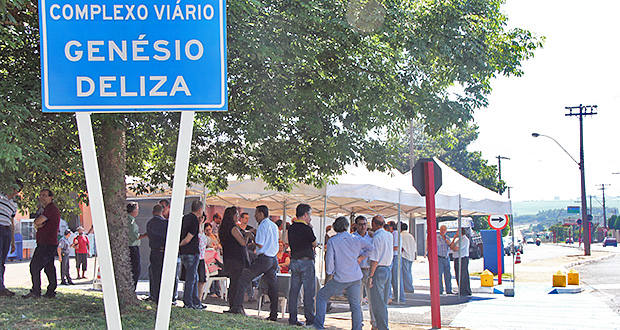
(577, 65)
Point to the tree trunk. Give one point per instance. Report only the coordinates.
(111, 154)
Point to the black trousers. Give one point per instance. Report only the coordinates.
(234, 268)
(461, 269)
(43, 259)
(262, 265)
(134, 255)
(156, 268)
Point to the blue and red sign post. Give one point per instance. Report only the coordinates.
(499, 222)
(426, 176)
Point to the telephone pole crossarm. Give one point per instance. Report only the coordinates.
(584, 110)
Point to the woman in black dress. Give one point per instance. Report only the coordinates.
(235, 256)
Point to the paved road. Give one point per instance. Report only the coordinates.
(604, 280)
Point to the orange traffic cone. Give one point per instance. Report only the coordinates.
(518, 259)
(97, 280)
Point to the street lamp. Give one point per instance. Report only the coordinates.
(584, 211)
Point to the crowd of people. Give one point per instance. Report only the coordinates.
(361, 262)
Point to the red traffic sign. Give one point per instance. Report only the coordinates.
(418, 177)
(498, 222)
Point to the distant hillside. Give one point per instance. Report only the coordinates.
(533, 207)
(549, 217)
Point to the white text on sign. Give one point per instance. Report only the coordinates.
(92, 12)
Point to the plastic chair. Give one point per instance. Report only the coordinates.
(211, 272)
(284, 285)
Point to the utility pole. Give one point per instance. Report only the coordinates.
(584, 110)
(499, 168)
(604, 208)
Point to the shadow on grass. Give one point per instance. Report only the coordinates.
(76, 309)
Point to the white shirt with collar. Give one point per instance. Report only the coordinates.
(267, 237)
(383, 242)
(409, 245)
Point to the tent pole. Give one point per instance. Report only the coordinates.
(460, 242)
(322, 235)
(283, 220)
(399, 275)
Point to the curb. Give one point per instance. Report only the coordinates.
(578, 289)
(588, 261)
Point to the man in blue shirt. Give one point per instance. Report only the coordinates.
(380, 274)
(343, 253)
(266, 263)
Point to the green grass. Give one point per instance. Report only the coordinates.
(75, 309)
(504, 275)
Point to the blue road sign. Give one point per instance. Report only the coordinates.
(572, 209)
(128, 55)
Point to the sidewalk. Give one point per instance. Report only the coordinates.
(17, 274)
(532, 304)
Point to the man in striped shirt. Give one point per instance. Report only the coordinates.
(443, 258)
(8, 208)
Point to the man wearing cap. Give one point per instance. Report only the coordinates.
(63, 257)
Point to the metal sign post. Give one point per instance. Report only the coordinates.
(126, 56)
(174, 223)
(133, 55)
(426, 176)
(432, 245)
(95, 198)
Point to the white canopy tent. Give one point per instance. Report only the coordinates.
(360, 191)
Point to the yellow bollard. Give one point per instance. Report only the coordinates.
(559, 279)
(486, 278)
(573, 277)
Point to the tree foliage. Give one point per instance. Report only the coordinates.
(450, 146)
(313, 86)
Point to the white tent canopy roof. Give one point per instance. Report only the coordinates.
(361, 191)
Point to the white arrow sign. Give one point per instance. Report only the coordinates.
(498, 221)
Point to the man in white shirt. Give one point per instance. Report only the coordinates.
(461, 261)
(266, 263)
(8, 208)
(380, 274)
(408, 256)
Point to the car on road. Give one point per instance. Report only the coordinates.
(610, 241)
